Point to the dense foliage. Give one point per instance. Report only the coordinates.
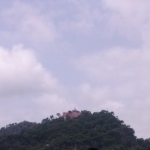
(100, 129)
(16, 128)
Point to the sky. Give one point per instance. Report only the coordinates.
(58, 55)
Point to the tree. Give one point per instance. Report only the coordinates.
(85, 113)
(100, 129)
(58, 114)
(52, 117)
(45, 120)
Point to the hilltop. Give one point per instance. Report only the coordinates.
(100, 129)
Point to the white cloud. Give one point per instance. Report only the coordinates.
(28, 91)
(26, 22)
(123, 83)
(118, 77)
(20, 72)
(97, 98)
(128, 18)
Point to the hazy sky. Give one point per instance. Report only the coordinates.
(90, 54)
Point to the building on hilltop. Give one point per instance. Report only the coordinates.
(72, 114)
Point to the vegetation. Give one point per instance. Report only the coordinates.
(100, 129)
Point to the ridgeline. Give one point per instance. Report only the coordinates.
(100, 129)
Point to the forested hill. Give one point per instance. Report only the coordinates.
(15, 128)
(99, 129)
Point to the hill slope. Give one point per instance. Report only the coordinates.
(100, 129)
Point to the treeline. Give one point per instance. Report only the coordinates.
(15, 128)
(99, 129)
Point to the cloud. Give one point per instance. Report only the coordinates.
(128, 18)
(97, 98)
(22, 73)
(25, 22)
(122, 77)
(117, 78)
(28, 91)
(111, 39)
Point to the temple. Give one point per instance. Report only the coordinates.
(72, 114)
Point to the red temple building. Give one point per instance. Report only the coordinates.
(72, 114)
